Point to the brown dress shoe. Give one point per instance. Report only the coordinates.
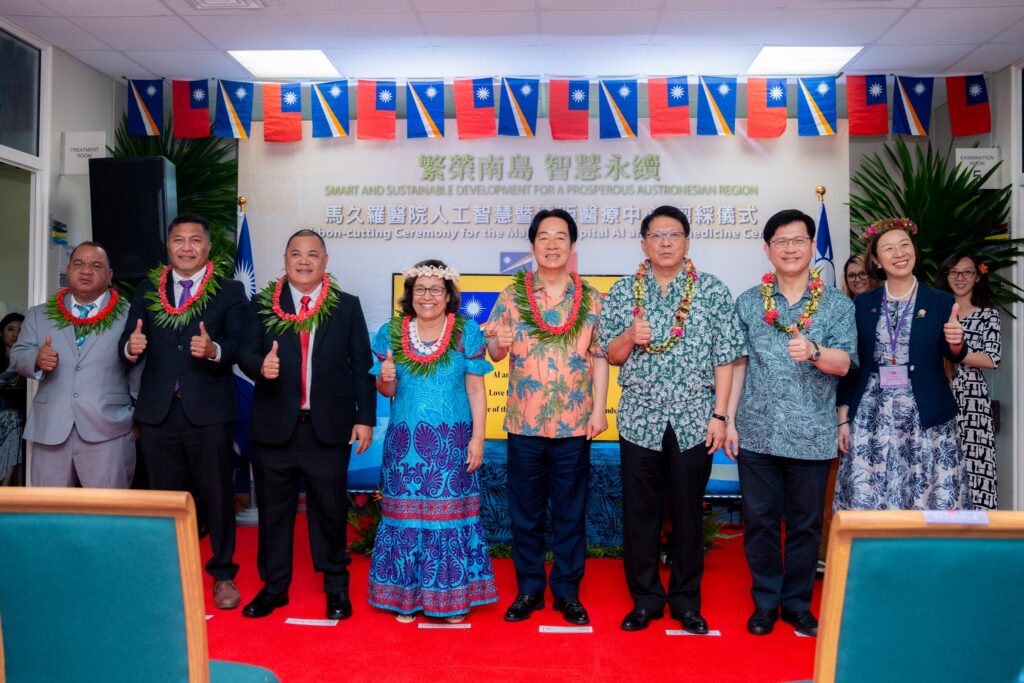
(225, 595)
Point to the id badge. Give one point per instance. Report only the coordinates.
(894, 376)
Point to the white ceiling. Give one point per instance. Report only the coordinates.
(455, 38)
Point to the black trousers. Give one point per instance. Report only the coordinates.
(180, 456)
(648, 476)
(776, 489)
(277, 470)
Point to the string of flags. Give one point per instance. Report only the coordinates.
(568, 107)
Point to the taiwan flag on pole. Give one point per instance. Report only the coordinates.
(234, 110)
(569, 109)
(474, 108)
(716, 106)
(518, 114)
(282, 112)
(329, 104)
(191, 101)
(816, 106)
(867, 105)
(618, 109)
(668, 104)
(766, 107)
(969, 112)
(145, 107)
(912, 105)
(424, 109)
(375, 115)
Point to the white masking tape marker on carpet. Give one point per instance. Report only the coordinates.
(565, 629)
(681, 632)
(311, 622)
(447, 626)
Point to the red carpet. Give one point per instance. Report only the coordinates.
(372, 646)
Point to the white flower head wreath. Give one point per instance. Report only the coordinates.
(445, 273)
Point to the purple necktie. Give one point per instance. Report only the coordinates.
(186, 292)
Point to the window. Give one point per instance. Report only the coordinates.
(19, 94)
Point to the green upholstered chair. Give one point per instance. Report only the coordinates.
(907, 600)
(104, 585)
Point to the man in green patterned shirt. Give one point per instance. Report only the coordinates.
(675, 332)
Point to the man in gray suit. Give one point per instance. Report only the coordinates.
(80, 421)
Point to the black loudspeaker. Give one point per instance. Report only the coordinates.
(133, 200)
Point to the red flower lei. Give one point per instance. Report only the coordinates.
(538, 319)
(170, 310)
(91, 320)
(442, 343)
(325, 288)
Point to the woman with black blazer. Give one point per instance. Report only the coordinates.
(902, 450)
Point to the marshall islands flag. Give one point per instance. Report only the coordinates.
(816, 106)
(145, 107)
(618, 110)
(234, 110)
(518, 114)
(716, 106)
(329, 103)
(424, 102)
(912, 105)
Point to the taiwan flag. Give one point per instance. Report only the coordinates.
(234, 110)
(329, 104)
(716, 106)
(191, 101)
(145, 107)
(912, 105)
(867, 105)
(518, 114)
(424, 109)
(569, 110)
(618, 109)
(474, 108)
(969, 112)
(668, 102)
(282, 112)
(766, 107)
(375, 115)
(816, 106)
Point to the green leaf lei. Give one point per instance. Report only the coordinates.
(112, 311)
(273, 321)
(421, 369)
(162, 315)
(522, 302)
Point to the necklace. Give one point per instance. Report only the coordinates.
(530, 314)
(771, 314)
(682, 311)
(278, 321)
(58, 312)
(903, 297)
(177, 317)
(422, 347)
(419, 357)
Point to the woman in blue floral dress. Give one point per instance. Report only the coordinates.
(430, 553)
(902, 443)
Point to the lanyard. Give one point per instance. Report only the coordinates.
(901, 317)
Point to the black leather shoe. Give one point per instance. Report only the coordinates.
(804, 622)
(338, 606)
(762, 621)
(572, 610)
(264, 604)
(693, 622)
(639, 618)
(523, 606)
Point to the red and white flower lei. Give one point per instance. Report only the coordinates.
(771, 313)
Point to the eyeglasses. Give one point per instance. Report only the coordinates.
(862, 275)
(965, 274)
(670, 237)
(797, 242)
(423, 291)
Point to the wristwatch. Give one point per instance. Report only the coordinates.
(723, 418)
(817, 352)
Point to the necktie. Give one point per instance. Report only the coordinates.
(304, 344)
(83, 312)
(186, 291)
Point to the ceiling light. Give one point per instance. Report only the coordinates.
(774, 60)
(285, 63)
(227, 4)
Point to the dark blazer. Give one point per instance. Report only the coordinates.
(928, 381)
(342, 393)
(206, 388)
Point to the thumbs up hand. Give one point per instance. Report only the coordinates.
(201, 345)
(952, 330)
(47, 358)
(137, 340)
(271, 363)
(640, 330)
(504, 335)
(388, 371)
(800, 347)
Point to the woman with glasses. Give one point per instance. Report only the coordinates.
(856, 279)
(966, 278)
(430, 553)
(902, 451)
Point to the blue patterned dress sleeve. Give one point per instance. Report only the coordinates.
(474, 346)
(379, 346)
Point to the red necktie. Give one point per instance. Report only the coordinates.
(304, 344)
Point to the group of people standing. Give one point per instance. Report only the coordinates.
(758, 376)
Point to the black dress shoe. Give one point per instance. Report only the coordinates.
(639, 618)
(762, 621)
(264, 604)
(338, 606)
(572, 610)
(804, 622)
(693, 622)
(523, 606)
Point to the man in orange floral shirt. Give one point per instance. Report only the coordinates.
(546, 322)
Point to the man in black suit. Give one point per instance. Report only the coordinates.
(308, 352)
(187, 323)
